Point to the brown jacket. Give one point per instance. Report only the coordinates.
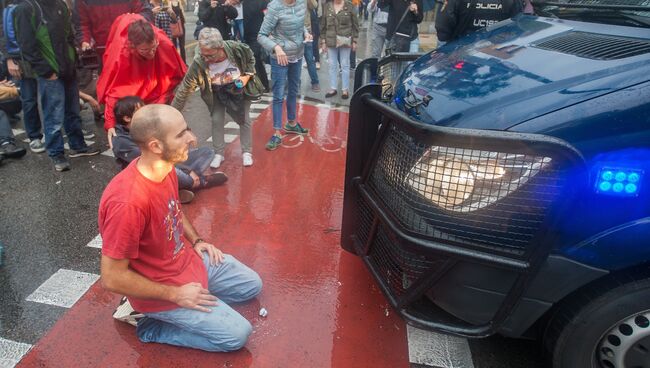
(345, 23)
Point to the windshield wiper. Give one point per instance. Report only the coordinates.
(620, 17)
(592, 6)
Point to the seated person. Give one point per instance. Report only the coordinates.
(8, 147)
(10, 105)
(152, 254)
(193, 174)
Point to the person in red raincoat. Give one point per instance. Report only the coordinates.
(140, 60)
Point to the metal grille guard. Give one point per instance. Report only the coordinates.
(407, 263)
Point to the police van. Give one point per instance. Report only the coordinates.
(500, 184)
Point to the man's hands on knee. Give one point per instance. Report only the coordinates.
(194, 296)
(216, 256)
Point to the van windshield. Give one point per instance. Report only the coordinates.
(633, 13)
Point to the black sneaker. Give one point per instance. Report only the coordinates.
(88, 151)
(185, 196)
(61, 163)
(10, 150)
(213, 180)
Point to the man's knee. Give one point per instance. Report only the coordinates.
(255, 286)
(239, 334)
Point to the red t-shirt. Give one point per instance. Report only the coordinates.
(140, 220)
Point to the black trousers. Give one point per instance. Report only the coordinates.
(260, 70)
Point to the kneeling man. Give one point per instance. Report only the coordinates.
(153, 255)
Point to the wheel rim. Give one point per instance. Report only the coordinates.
(626, 344)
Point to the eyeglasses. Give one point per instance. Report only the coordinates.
(147, 50)
(218, 54)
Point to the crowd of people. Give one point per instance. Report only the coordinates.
(151, 253)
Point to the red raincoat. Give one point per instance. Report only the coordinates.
(126, 73)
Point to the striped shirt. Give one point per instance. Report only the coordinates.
(284, 25)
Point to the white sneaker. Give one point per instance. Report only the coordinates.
(126, 313)
(247, 158)
(36, 146)
(216, 161)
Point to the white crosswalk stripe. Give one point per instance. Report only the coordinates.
(63, 288)
(109, 153)
(438, 350)
(231, 125)
(17, 131)
(11, 352)
(96, 242)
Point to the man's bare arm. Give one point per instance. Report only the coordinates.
(200, 245)
(188, 230)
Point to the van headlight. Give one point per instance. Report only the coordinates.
(465, 180)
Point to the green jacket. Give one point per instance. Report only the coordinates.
(345, 23)
(45, 37)
(199, 75)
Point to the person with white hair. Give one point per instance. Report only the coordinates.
(225, 73)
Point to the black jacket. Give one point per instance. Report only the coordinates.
(396, 9)
(52, 49)
(217, 17)
(456, 18)
(253, 17)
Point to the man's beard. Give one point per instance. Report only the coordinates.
(175, 157)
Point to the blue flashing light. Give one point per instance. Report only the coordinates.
(607, 175)
(620, 176)
(631, 188)
(605, 186)
(618, 187)
(619, 181)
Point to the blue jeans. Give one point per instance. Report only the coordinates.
(315, 32)
(223, 329)
(311, 63)
(31, 117)
(198, 161)
(279, 76)
(60, 102)
(238, 29)
(6, 134)
(342, 54)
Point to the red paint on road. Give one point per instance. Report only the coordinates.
(282, 217)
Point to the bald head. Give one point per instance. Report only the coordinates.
(154, 122)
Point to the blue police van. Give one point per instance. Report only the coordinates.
(500, 184)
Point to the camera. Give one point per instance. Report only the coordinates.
(89, 59)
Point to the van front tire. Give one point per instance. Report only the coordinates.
(606, 325)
